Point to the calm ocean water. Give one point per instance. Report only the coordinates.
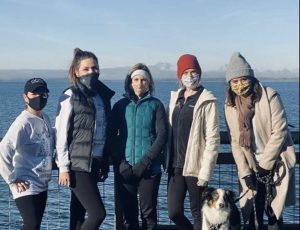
(58, 202)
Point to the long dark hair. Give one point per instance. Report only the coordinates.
(256, 92)
(79, 55)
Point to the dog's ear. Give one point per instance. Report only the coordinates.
(207, 193)
(230, 194)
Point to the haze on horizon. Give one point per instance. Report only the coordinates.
(41, 35)
(158, 73)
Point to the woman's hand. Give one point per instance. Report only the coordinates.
(202, 183)
(140, 168)
(125, 170)
(250, 181)
(64, 179)
(20, 185)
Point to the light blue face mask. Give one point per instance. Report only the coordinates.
(191, 82)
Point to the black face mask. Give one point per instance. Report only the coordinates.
(37, 103)
(87, 84)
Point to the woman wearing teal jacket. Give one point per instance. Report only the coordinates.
(140, 133)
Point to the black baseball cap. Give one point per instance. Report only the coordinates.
(36, 85)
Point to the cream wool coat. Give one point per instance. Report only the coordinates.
(271, 124)
(204, 138)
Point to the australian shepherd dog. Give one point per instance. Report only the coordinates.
(219, 210)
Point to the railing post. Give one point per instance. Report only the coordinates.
(118, 208)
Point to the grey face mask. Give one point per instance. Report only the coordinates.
(87, 84)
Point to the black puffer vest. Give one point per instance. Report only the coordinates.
(82, 127)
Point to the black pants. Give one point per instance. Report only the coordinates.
(273, 223)
(178, 185)
(32, 208)
(85, 197)
(147, 189)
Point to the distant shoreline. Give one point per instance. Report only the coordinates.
(161, 79)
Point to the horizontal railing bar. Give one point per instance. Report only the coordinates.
(223, 158)
(225, 137)
(227, 158)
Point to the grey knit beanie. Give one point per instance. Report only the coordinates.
(238, 67)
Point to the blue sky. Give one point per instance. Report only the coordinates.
(41, 34)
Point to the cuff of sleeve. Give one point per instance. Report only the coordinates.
(244, 173)
(11, 179)
(202, 182)
(63, 169)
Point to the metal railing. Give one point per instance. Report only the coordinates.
(56, 215)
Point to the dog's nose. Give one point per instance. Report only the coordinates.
(221, 205)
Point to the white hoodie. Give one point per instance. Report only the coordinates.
(26, 153)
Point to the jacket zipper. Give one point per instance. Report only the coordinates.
(133, 147)
(177, 135)
(92, 144)
(134, 120)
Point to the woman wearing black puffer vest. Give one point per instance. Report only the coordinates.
(82, 124)
(140, 133)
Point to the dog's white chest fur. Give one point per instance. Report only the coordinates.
(216, 211)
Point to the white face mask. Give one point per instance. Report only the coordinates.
(191, 82)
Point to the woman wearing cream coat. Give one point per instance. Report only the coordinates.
(269, 141)
(193, 142)
(202, 146)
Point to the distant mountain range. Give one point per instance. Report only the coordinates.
(159, 71)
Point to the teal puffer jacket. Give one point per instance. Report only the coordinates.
(141, 130)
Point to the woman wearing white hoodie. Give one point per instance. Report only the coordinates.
(26, 155)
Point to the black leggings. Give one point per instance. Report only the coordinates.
(147, 189)
(32, 208)
(85, 197)
(178, 185)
